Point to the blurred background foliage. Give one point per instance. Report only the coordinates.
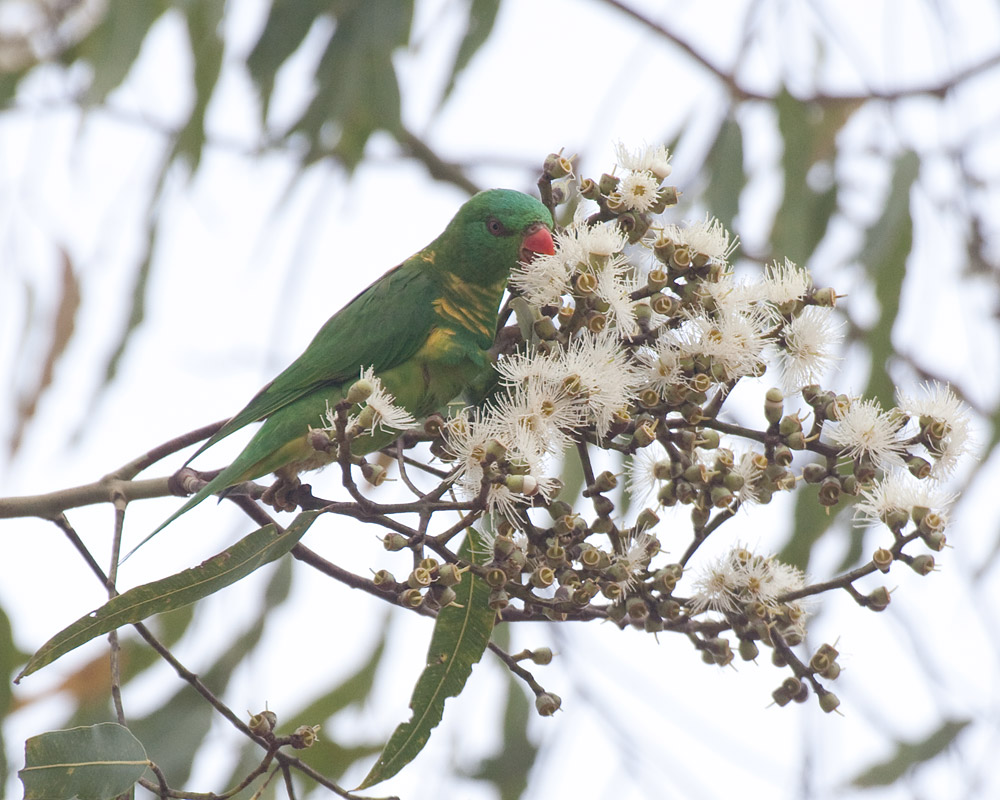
(885, 182)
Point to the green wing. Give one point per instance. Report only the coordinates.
(382, 327)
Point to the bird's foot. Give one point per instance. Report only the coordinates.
(187, 481)
(277, 495)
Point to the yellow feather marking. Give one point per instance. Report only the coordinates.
(468, 305)
(438, 342)
(428, 256)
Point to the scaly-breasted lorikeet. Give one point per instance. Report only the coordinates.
(424, 327)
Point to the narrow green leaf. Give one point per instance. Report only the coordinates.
(326, 756)
(908, 755)
(92, 763)
(887, 246)
(112, 47)
(726, 177)
(204, 20)
(808, 132)
(508, 768)
(356, 88)
(286, 27)
(482, 16)
(174, 733)
(249, 554)
(461, 635)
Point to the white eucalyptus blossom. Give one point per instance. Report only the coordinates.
(383, 412)
(473, 437)
(615, 283)
(601, 239)
(545, 279)
(708, 237)
(652, 158)
(785, 282)
(750, 466)
(741, 578)
(645, 471)
(736, 340)
(660, 363)
(810, 342)
(638, 190)
(900, 491)
(639, 551)
(864, 430)
(936, 401)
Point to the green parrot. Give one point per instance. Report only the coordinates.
(425, 328)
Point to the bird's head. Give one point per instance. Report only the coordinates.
(491, 233)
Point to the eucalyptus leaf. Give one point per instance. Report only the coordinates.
(91, 763)
(460, 637)
(246, 556)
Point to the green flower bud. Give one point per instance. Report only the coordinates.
(814, 473)
(449, 575)
(878, 600)
(882, 559)
(496, 578)
(366, 417)
(394, 542)
(410, 598)
(829, 491)
(828, 701)
(667, 196)
(503, 546)
(774, 405)
(825, 297)
(589, 189)
(556, 166)
(547, 704)
(646, 520)
(542, 577)
(700, 516)
(923, 564)
(636, 609)
(667, 494)
(544, 328)
(375, 474)
(896, 519)
(383, 578)
(360, 391)
(608, 183)
(263, 723)
(559, 508)
(498, 600)
(748, 650)
(304, 736)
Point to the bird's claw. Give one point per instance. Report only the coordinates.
(277, 495)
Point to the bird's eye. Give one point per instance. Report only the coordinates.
(494, 226)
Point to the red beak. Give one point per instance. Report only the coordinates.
(539, 240)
